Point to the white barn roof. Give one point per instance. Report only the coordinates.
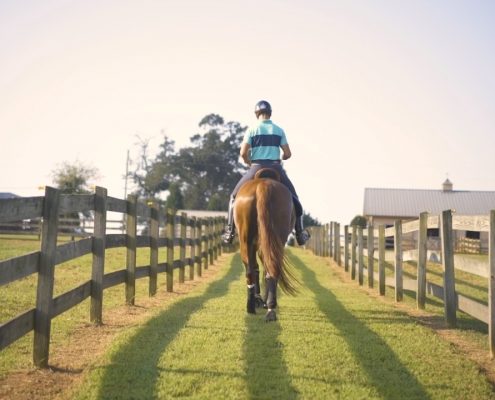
(412, 202)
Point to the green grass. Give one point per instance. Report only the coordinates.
(20, 296)
(469, 285)
(331, 341)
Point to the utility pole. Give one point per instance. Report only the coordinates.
(126, 174)
(125, 190)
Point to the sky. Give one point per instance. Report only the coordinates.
(375, 93)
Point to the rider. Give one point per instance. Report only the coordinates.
(260, 149)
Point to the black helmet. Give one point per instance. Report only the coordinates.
(263, 107)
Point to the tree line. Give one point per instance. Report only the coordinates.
(200, 176)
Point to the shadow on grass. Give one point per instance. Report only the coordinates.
(391, 379)
(266, 372)
(435, 305)
(133, 371)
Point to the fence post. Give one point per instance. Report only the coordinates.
(219, 236)
(422, 253)
(381, 259)
(98, 267)
(323, 232)
(197, 229)
(205, 243)
(331, 240)
(331, 249)
(182, 251)
(449, 297)
(318, 241)
(170, 249)
(130, 283)
(371, 254)
(192, 244)
(398, 260)
(44, 295)
(360, 255)
(346, 248)
(211, 242)
(353, 252)
(312, 240)
(325, 229)
(337, 244)
(491, 285)
(214, 227)
(154, 233)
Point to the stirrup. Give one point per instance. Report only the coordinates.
(228, 235)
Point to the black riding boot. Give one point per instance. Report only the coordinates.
(302, 235)
(229, 233)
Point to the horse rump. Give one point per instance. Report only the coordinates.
(275, 216)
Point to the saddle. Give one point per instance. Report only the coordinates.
(267, 173)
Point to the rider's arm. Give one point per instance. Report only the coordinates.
(245, 152)
(286, 151)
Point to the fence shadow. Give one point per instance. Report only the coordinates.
(391, 380)
(134, 370)
(262, 343)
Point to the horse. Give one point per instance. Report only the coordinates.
(264, 215)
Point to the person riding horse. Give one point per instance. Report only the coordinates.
(260, 148)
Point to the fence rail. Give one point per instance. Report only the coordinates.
(326, 240)
(201, 236)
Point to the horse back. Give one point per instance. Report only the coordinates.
(265, 193)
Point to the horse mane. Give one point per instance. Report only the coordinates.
(267, 173)
(271, 246)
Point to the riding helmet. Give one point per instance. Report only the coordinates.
(264, 107)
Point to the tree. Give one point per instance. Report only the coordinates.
(308, 220)
(153, 176)
(175, 200)
(359, 220)
(73, 178)
(205, 172)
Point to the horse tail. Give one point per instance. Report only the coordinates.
(270, 244)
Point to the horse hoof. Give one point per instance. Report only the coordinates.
(271, 315)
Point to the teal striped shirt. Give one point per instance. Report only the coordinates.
(265, 140)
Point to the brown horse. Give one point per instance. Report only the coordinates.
(264, 215)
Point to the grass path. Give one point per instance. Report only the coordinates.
(331, 341)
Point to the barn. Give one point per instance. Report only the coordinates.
(384, 206)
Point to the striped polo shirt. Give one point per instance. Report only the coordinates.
(265, 140)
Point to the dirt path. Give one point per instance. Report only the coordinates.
(88, 342)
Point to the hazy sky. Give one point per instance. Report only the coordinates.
(370, 93)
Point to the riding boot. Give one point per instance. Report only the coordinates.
(229, 233)
(302, 235)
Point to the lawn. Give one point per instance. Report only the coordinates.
(331, 341)
(20, 296)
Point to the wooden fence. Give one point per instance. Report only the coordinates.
(201, 235)
(326, 241)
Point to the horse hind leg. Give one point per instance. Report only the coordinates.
(252, 280)
(271, 298)
(260, 303)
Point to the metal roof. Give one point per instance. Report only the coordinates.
(412, 202)
(7, 195)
